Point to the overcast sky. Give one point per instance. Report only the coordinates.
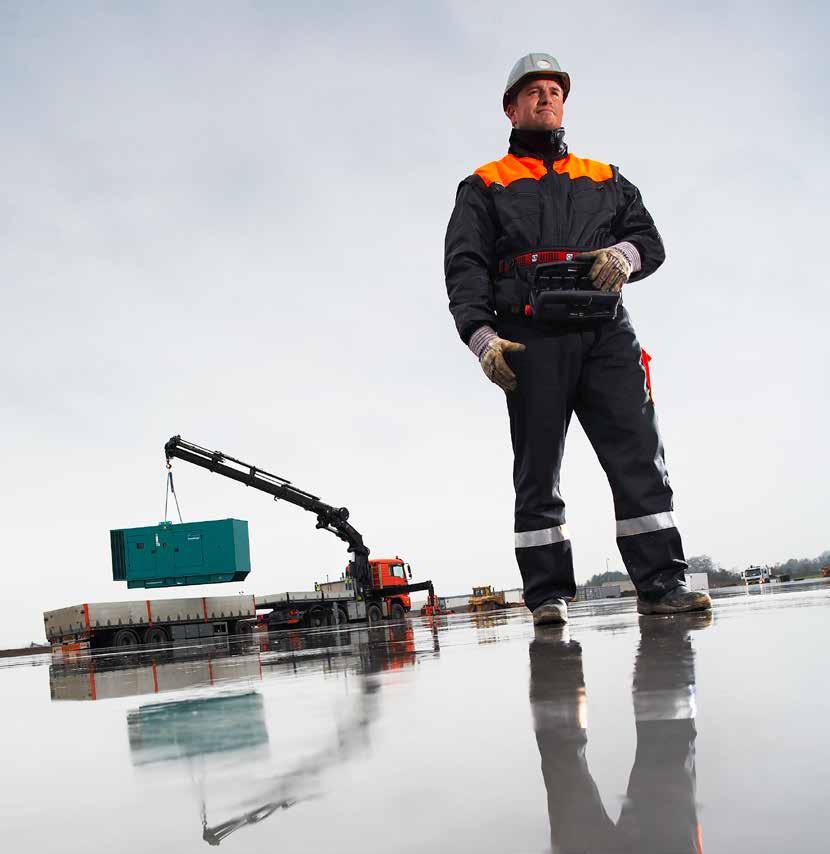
(226, 220)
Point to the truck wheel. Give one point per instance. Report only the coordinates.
(374, 615)
(315, 618)
(343, 618)
(396, 612)
(125, 638)
(155, 635)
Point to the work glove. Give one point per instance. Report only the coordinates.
(491, 350)
(611, 269)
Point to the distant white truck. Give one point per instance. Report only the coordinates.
(756, 575)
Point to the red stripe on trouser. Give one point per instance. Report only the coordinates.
(645, 359)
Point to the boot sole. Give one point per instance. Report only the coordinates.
(647, 609)
(550, 620)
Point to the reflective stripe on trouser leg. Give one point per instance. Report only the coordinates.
(545, 537)
(645, 524)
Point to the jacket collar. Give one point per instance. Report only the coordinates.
(548, 146)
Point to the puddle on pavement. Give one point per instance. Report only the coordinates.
(460, 733)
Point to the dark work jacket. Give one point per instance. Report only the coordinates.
(537, 197)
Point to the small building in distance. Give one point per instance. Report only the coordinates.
(697, 580)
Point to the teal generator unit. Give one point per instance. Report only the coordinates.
(168, 555)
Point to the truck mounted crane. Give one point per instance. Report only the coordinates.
(372, 583)
(370, 589)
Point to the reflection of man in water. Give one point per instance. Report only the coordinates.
(659, 815)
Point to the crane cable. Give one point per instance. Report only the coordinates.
(168, 490)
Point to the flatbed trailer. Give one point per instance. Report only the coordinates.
(154, 622)
(147, 622)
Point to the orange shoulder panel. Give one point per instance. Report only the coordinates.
(580, 167)
(510, 169)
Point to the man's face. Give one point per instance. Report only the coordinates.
(539, 105)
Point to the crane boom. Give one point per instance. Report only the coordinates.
(329, 518)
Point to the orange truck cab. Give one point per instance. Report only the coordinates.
(391, 572)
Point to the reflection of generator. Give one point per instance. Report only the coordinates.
(562, 292)
(756, 575)
(183, 728)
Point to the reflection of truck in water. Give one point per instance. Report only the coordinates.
(370, 590)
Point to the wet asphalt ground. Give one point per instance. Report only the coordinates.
(463, 733)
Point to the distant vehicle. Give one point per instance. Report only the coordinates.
(756, 575)
(484, 599)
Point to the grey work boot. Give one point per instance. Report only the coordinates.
(676, 601)
(552, 613)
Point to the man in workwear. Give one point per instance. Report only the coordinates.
(540, 204)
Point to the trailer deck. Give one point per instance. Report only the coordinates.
(150, 622)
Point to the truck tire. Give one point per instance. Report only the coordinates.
(154, 635)
(396, 612)
(374, 615)
(343, 617)
(315, 618)
(125, 638)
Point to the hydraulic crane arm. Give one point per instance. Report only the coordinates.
(215, 835)
(332, 519)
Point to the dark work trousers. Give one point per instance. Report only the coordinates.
(596, 371)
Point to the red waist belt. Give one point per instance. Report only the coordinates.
(528, 259)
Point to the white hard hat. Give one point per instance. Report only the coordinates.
(535, 65)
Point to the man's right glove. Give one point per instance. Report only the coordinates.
(490, 350)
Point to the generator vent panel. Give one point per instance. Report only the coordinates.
(168, 555)
(119, 563)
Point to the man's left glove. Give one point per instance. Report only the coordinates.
(611, 269)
